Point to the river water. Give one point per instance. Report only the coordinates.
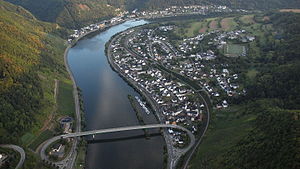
(106, 106)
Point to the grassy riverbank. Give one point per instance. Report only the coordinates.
(82, 146)
(138, 112)
(137, 109)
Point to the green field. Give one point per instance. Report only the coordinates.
(247, 19)
(65, 100)
(47, 134)
(193, 28)
(234, 50)
(80, 159)
(226, 129)
(27, 138)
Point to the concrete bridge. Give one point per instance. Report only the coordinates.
(114, 130)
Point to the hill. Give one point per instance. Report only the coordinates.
(244, 4)
(76, 13)
(261, 129)
(70, 13)
(30, 57)
(31, 61)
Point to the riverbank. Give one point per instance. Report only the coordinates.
(149, 100)
(74, 42)
(73, 152)
(138, 111)
(78, 103)
(184, 159)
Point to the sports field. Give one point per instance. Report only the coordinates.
(234, 50)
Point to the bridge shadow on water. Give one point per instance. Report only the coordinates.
(97, 140)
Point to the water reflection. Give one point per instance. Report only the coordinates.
(107, 106)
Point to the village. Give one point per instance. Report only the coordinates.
(135, 14)
(181, 10)
(142, 52)
(187, 58)
(176, 101)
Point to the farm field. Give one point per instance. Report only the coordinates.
(192, 28)
(65, 99)
(247, 19)
(47, 134)
(290, 10)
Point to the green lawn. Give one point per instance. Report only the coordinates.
(47, 134)
(228, 24)
(226, 129)
(194, 28)
(80, 159)
(191, 29)
(27, 138)
(65, 100)
(247, 19)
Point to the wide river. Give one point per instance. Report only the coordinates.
(106, 106)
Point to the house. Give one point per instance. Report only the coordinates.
(224, 104)
(58, 150)
(3, 159)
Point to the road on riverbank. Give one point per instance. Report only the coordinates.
(172, 154)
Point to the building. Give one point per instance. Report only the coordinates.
(3, 159)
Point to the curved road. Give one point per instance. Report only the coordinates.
(19, 150)
(113, 130)
(190, 155)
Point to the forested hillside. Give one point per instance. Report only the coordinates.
(279, 77)
(31, 55)
(70, 13)
(76, 13)
(261, 130)
(274, 140)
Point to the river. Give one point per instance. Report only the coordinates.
(106, 106)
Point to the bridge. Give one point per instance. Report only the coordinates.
(114, 130)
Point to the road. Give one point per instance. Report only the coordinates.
(69, 161)
(206, 105)
(173, 161)
(113, 130)
(185, 166)
(20, 150)
(173, 155)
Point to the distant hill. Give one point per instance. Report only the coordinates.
(70, 13)
(245, 4)
(75, 13)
